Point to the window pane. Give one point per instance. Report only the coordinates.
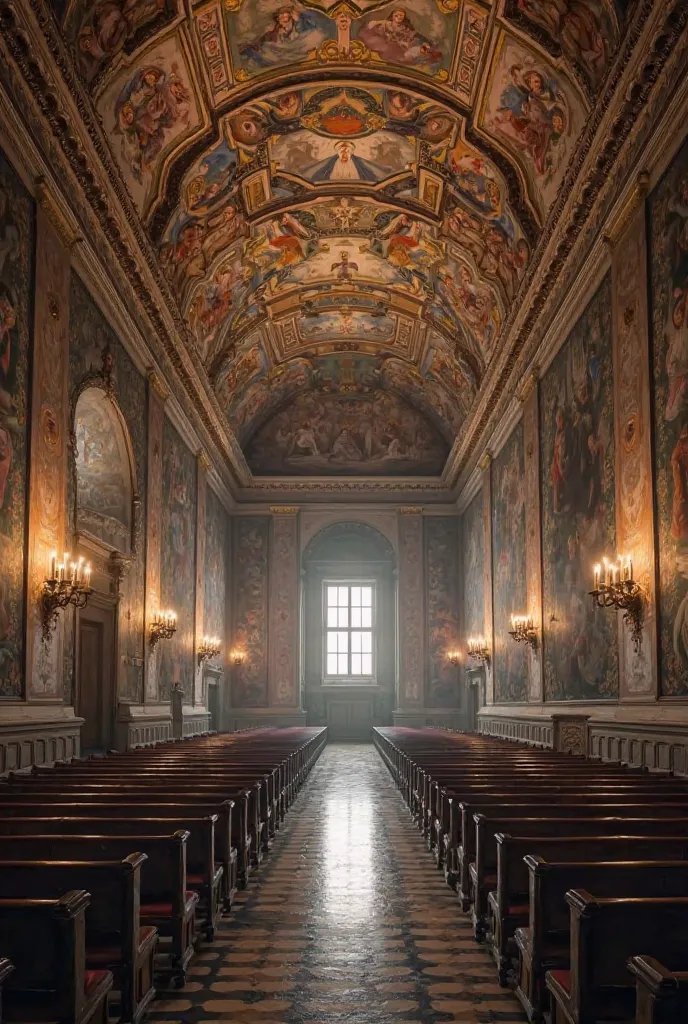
(356, 643)
(332, 595)
(343, 664)
(343, 643)
(367, 617)
(343, 618)
(367, 595)
(367, 639)
(355, 595)
(356, 618)
(332, 664)
(331, 643)
(367, 660)
(343, 597)
(332, 618)
(355, 664)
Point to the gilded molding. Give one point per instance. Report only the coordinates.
(66, 231)
(529, 385)
(203, 461)
(158, 385)
(620, 222)
(485, 461)
(410, 510)
(284, 510)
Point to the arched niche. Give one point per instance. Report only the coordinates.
(349, 552)
(104, 472)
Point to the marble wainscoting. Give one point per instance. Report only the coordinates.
(37, 734)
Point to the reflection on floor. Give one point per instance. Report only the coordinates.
(348, 920)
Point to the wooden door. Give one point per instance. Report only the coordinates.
(214, 705)
(350, 718)
(95, 676)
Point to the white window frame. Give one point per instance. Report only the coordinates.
(349, 680)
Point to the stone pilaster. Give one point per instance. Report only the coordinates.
(157, 396)
(283, 633)
(531, 444)
(633, 445)
(201, 476)
(487, 570)
(411, 615)
(49, 441)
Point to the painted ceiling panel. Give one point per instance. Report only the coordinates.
(344, 196)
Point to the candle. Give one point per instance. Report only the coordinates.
(596, 577)
(629, 569)
(87, 575)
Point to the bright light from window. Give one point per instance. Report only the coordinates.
(348, 614)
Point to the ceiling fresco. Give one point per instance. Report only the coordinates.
(344, 196)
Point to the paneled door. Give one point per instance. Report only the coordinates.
(94, 697)
(350, 719)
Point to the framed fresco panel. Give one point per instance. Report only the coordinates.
(509, 569)
(578, 508)
(668, 230)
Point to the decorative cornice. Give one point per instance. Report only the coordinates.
(410, 510)
(64, 225)
(284, 510)
(158, 385)
(204, 462)
(620, 222)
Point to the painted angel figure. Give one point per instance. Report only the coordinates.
(344, 268)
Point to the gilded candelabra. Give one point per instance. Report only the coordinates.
(523, 630)
(163, 627)
(67, 583)
(477, 649)
(209, 647)
(614, 587)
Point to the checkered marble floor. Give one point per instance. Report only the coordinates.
(348, 920)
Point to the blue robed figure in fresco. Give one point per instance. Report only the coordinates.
(344, 165)
(290, 38)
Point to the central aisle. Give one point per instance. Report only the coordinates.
(347, 920)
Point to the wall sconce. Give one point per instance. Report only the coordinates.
(209, 647)
(163, 627)
(67, 583)
(478, 649)
(238, 657)
(523, 630)
(454, 657)
(614, 587)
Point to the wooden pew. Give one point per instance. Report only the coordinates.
(605, 934)
(544, 944)
(45, 940)
(483, 872)
(115, 939)
(32, 805)
(661, 996)
(6, 968)
(163, 879)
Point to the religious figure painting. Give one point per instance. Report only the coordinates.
(145, 110)
(668, 225)
(215, 302)
(177, 562)
(473, 532)
(441, 567)
(267, 34)
(586, 30)
(251, 544)
(415, 35)
(471, 301)
(323, 159)
(410, 245)
(268, 391)
(103, 475)
(348, 323)
(363, 435)
(214, 579)
(17, 218)
(537, 112)
(100, 29)
(578, 508)
(509, 568)
(429, 395)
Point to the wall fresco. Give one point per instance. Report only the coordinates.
(578, 508)
(668, 224)
(17, 240)
(509, 568)
(473, 535)
(441, 611)
(251, 585)
(103, 477)
(178, 562)
(215, 570)
(92, 346)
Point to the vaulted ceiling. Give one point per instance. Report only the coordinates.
(344, 198)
